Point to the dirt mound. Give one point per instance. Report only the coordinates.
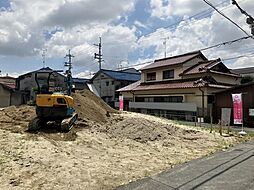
(14, 114)
(90, 107)
(138, 129)
(144, 128)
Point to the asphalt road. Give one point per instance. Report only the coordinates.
(229, 170)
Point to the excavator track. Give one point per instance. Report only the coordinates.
(67, 124)
(35, 124)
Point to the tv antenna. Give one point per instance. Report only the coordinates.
(44, 57)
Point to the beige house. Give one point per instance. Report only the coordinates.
(182, 85)
(107, 82)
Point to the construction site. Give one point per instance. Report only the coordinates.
(104, 149)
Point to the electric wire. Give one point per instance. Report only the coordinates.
(222, 14)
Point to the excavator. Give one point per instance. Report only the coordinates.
(52, 106)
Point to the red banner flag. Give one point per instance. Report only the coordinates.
(121, 103)
(238, 108)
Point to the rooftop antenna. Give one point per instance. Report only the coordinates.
(165, 46)
(44, 57)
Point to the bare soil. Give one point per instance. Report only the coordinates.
(105, 149)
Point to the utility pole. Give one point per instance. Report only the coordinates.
(98, 56)
(44, 57)
(68, 64)
(249, 20)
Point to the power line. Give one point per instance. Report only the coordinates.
(225, 43)
(207, 48)
(171, 26)
(238, 57)
(210, 4)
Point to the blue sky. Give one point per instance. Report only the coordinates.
(132, 31)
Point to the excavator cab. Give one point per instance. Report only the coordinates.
(52, 106)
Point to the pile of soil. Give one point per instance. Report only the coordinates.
(144, 128)
(14, 114)
(141, 130)
(90, 107)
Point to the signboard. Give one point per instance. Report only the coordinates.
(121, 105)
(238, 108)
(225, 115)
(251, 112)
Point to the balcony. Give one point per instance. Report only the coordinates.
(192, 107)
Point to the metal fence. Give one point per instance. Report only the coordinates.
(178, 117)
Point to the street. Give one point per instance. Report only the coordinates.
(232, 169)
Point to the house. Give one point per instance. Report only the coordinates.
(223, 99)
(80, 83)
(8, 81)
(9, 96)
(26, 83)
(247, 71)
(107, 82)
(181, 85)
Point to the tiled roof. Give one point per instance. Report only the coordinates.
(171, 85)
(129, 87)
(42, 70)
(8, 86)
(179, 59)
(205, 66)
(80, 80)
(122, 76)
(8, 81)
(247, 70)
(235, 87)
(201, 67)
(7, 77)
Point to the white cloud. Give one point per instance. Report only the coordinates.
(241, 63)
(165, 9)
(79, 12)
(160, 8)
(139, 24)
(23, 26)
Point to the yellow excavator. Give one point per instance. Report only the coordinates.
(51, 106)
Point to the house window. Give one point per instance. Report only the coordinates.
(172, 99)
(112, 83)
(148, 99)
(107, 83)
(151, 76)
(169, 74)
